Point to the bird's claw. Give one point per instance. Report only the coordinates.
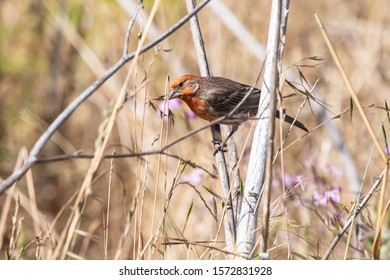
(221, 147)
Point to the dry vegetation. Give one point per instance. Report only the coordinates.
(167, 206)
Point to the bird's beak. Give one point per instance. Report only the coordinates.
(172, 95)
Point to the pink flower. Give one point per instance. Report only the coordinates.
(163, 107)
(290, 180)
(320, 199)
(326, 221)
(335, 194)
(195, 177)
(337, 216)
(173, 105)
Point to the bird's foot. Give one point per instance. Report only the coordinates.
(220, 147)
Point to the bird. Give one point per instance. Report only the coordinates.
(211, 98)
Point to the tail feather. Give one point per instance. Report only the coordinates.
(292, 121)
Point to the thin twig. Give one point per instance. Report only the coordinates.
(129, 27)
(350, 89)
(106, 222)
(353, 217)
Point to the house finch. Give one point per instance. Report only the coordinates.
(211, 98)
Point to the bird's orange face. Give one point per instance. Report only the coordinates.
(186, 88)
(186, 85)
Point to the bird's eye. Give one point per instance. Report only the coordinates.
(180, 84)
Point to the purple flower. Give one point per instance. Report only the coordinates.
(172, 104)
(290, 180)
(195, 177)
(320, 199)
(335, 194)
(326, 221)
(336, 216)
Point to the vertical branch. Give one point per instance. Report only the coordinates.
(262, 141)
(198, 41)
(229, 223)
(267, 190)
(235, 179)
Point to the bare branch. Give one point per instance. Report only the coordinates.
(263, 140)
(229, 223)
(129, 27)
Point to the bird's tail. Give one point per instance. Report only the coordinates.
(292, 121)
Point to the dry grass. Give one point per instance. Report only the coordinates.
(168, 206)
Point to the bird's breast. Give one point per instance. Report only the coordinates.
(199, 107)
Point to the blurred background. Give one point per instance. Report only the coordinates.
(163, 206)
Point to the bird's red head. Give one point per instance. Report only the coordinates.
(188, 89)
(183, 87)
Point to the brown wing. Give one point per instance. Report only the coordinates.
(225, 95)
